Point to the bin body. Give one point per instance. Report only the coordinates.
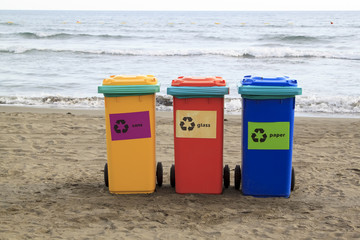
(198, 135)
(130, 133)
(267, 142)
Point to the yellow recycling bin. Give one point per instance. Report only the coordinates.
(130, 134)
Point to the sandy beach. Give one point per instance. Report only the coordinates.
(52, 186)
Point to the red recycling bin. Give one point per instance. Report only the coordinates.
(198, 105)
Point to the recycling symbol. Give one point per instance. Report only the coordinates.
(117, 127)
(263, 135)
(190, 121)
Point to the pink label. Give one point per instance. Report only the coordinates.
(130, 125)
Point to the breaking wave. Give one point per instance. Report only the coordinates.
(291, 38)
(61, 36)
(254, 52)
(312, 104)
(233, 105)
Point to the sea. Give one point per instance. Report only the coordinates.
(57, 59)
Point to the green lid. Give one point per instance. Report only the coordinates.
(268, 88)
(128, 90)
(197, 92)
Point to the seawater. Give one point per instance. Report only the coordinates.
(58, 58)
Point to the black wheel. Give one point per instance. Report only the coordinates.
(159, 174)
(226, 176)
(292, 179)
(106, 176)
(237, 177)
(172, 175)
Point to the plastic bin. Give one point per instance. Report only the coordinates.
(198, 135)
(267, 142)
(130, 134)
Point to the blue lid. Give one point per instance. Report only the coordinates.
(261, 81)
(269, 88)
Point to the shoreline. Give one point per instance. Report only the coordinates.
(101, 112)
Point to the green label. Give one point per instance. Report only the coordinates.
(269, 135)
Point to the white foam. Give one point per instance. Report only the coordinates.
(311, 104)
(54, 101)
(328, 104)
(256, 52)
(233, 105)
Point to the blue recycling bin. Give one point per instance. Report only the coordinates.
(267, 142)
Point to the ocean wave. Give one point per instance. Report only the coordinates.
(328, 104)
(54, 101)
(269, 37)
(254, 52)
(218, 38)
(66, 35)
(163, 103)
(312, 104)
(233, 105)
(290, 38)
(63, 36)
